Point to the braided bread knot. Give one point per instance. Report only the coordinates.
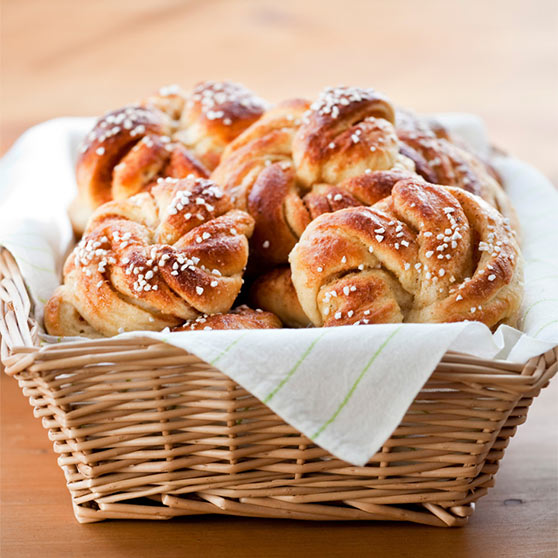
(169, 134)
(440, 159)
(424, 254)
(153, 260)
(346, 131)
(297, 148)
(208, 119)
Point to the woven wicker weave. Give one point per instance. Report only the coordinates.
(144, 430)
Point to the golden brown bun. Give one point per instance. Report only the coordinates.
(208, 119)
(169, 134)
(122, 155)
(239, 318)
(152, 261)
(256, 171)
(441, 159)
(63, 319)
(275, 292)
(408, 122)
(346, 131)
(296, 146)
(425, 254)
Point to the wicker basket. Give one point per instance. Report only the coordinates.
(144, 430)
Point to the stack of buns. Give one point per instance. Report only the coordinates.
(215, 210)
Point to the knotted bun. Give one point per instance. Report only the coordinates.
(275, 292)
(208, 119)
(346, 131)
(153, 261)
(169, 134)
(295, 147)
(242, 317)
(424, 254)
(441, 159)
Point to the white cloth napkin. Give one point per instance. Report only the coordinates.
(346, 388)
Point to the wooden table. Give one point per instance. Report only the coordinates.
(497, 59)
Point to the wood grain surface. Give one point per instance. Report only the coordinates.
(498, 59)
